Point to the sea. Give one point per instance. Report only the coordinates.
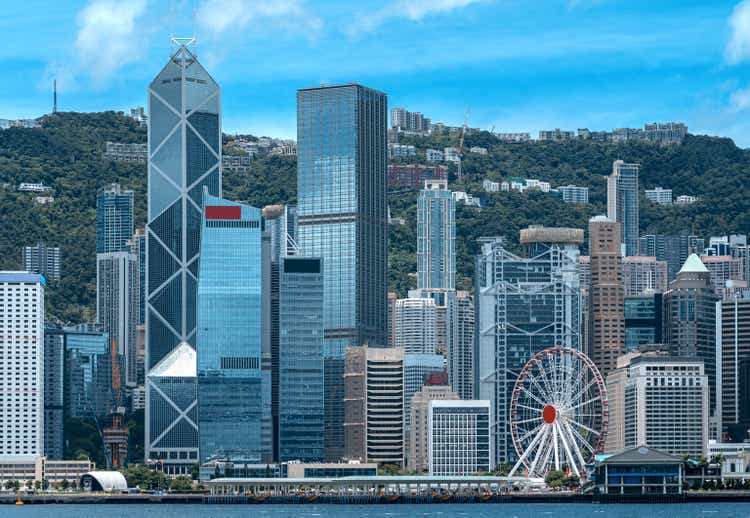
(718, 510)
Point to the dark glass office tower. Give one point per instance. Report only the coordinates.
(229, 333)
(114, 219)
(184, 139)
(342, 218)
(301, 401)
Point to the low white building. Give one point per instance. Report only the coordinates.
(401, 151)
(434, 155)
(574, 194)
(459, 437)
(451, 154)
(466, 198)
(478, 150)
(490, 186)
(735, 458)
(659, 195)
(685, 199)
(25, 468)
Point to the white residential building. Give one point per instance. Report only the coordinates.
(659, 195)
(478, 150)
(490, 186)
(467, 199)
(685, 199)
(451, 154)
(513, 137)
(21, 363)
(401, 151)
(415, 325)
(459, 440)
(574, 194)
(434, 155)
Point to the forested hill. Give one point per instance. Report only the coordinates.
(66, 154)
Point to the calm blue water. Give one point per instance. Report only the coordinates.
(380, 511)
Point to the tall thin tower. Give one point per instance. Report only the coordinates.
(54, 96)
(184, 142)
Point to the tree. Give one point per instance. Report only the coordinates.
(555, 478)
(37, 485)
(29, 484)
(181, 483)
(64, 484)
(45, 484)
(9, 485)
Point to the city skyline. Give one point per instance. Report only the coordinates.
(511, 82)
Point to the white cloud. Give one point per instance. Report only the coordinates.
(414, 10)
(738, 46)
(740, 99)
(217, 17)
(109, 36)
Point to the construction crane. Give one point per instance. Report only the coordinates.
(460, 149)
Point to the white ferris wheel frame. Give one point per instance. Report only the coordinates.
(565, 406)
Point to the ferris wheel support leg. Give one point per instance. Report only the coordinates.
(555, 434)
(577, 450)
(542, 449)
(525, 454)
(570, 455)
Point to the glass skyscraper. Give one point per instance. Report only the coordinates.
(229, 332)
(622, 203)
(524, 305)
(114, 219)
(342, 160)
(184, 138)
(301, 410)
(436, 237)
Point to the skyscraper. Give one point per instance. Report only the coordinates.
(279, 242)
(732, 350)
(622, 203)
(374, 416)
(524, 305)
(342, 217)
(137, 247)
(301, 376)
(690, 318)
(461, 344)
(42, 259)
(117, 304)
(436, 237)
(606, 295)
(229, 332)
(54, 391)
(114, 219)
(184, 129)
(21, 363)
(660, 401)
(415, 325)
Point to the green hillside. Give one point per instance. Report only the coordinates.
(66, 155)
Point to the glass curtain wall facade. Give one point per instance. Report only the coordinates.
(436, 237)
(114, 219)
(301, 396)
(229, 333)
(622, 203)
(342, 218)
(184, 139)
(524, 305)
(88, 371)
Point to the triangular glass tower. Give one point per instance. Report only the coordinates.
(184, 143)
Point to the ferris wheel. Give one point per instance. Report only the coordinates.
(558, 413)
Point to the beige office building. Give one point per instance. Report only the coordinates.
(606, 295)
(374, 405)
(419, 432)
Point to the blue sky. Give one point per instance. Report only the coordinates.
(521, 65)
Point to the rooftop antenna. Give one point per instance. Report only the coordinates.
(171, 28)
(54, 96)
(195, 27)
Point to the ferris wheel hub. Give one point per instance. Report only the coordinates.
(549, 414)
